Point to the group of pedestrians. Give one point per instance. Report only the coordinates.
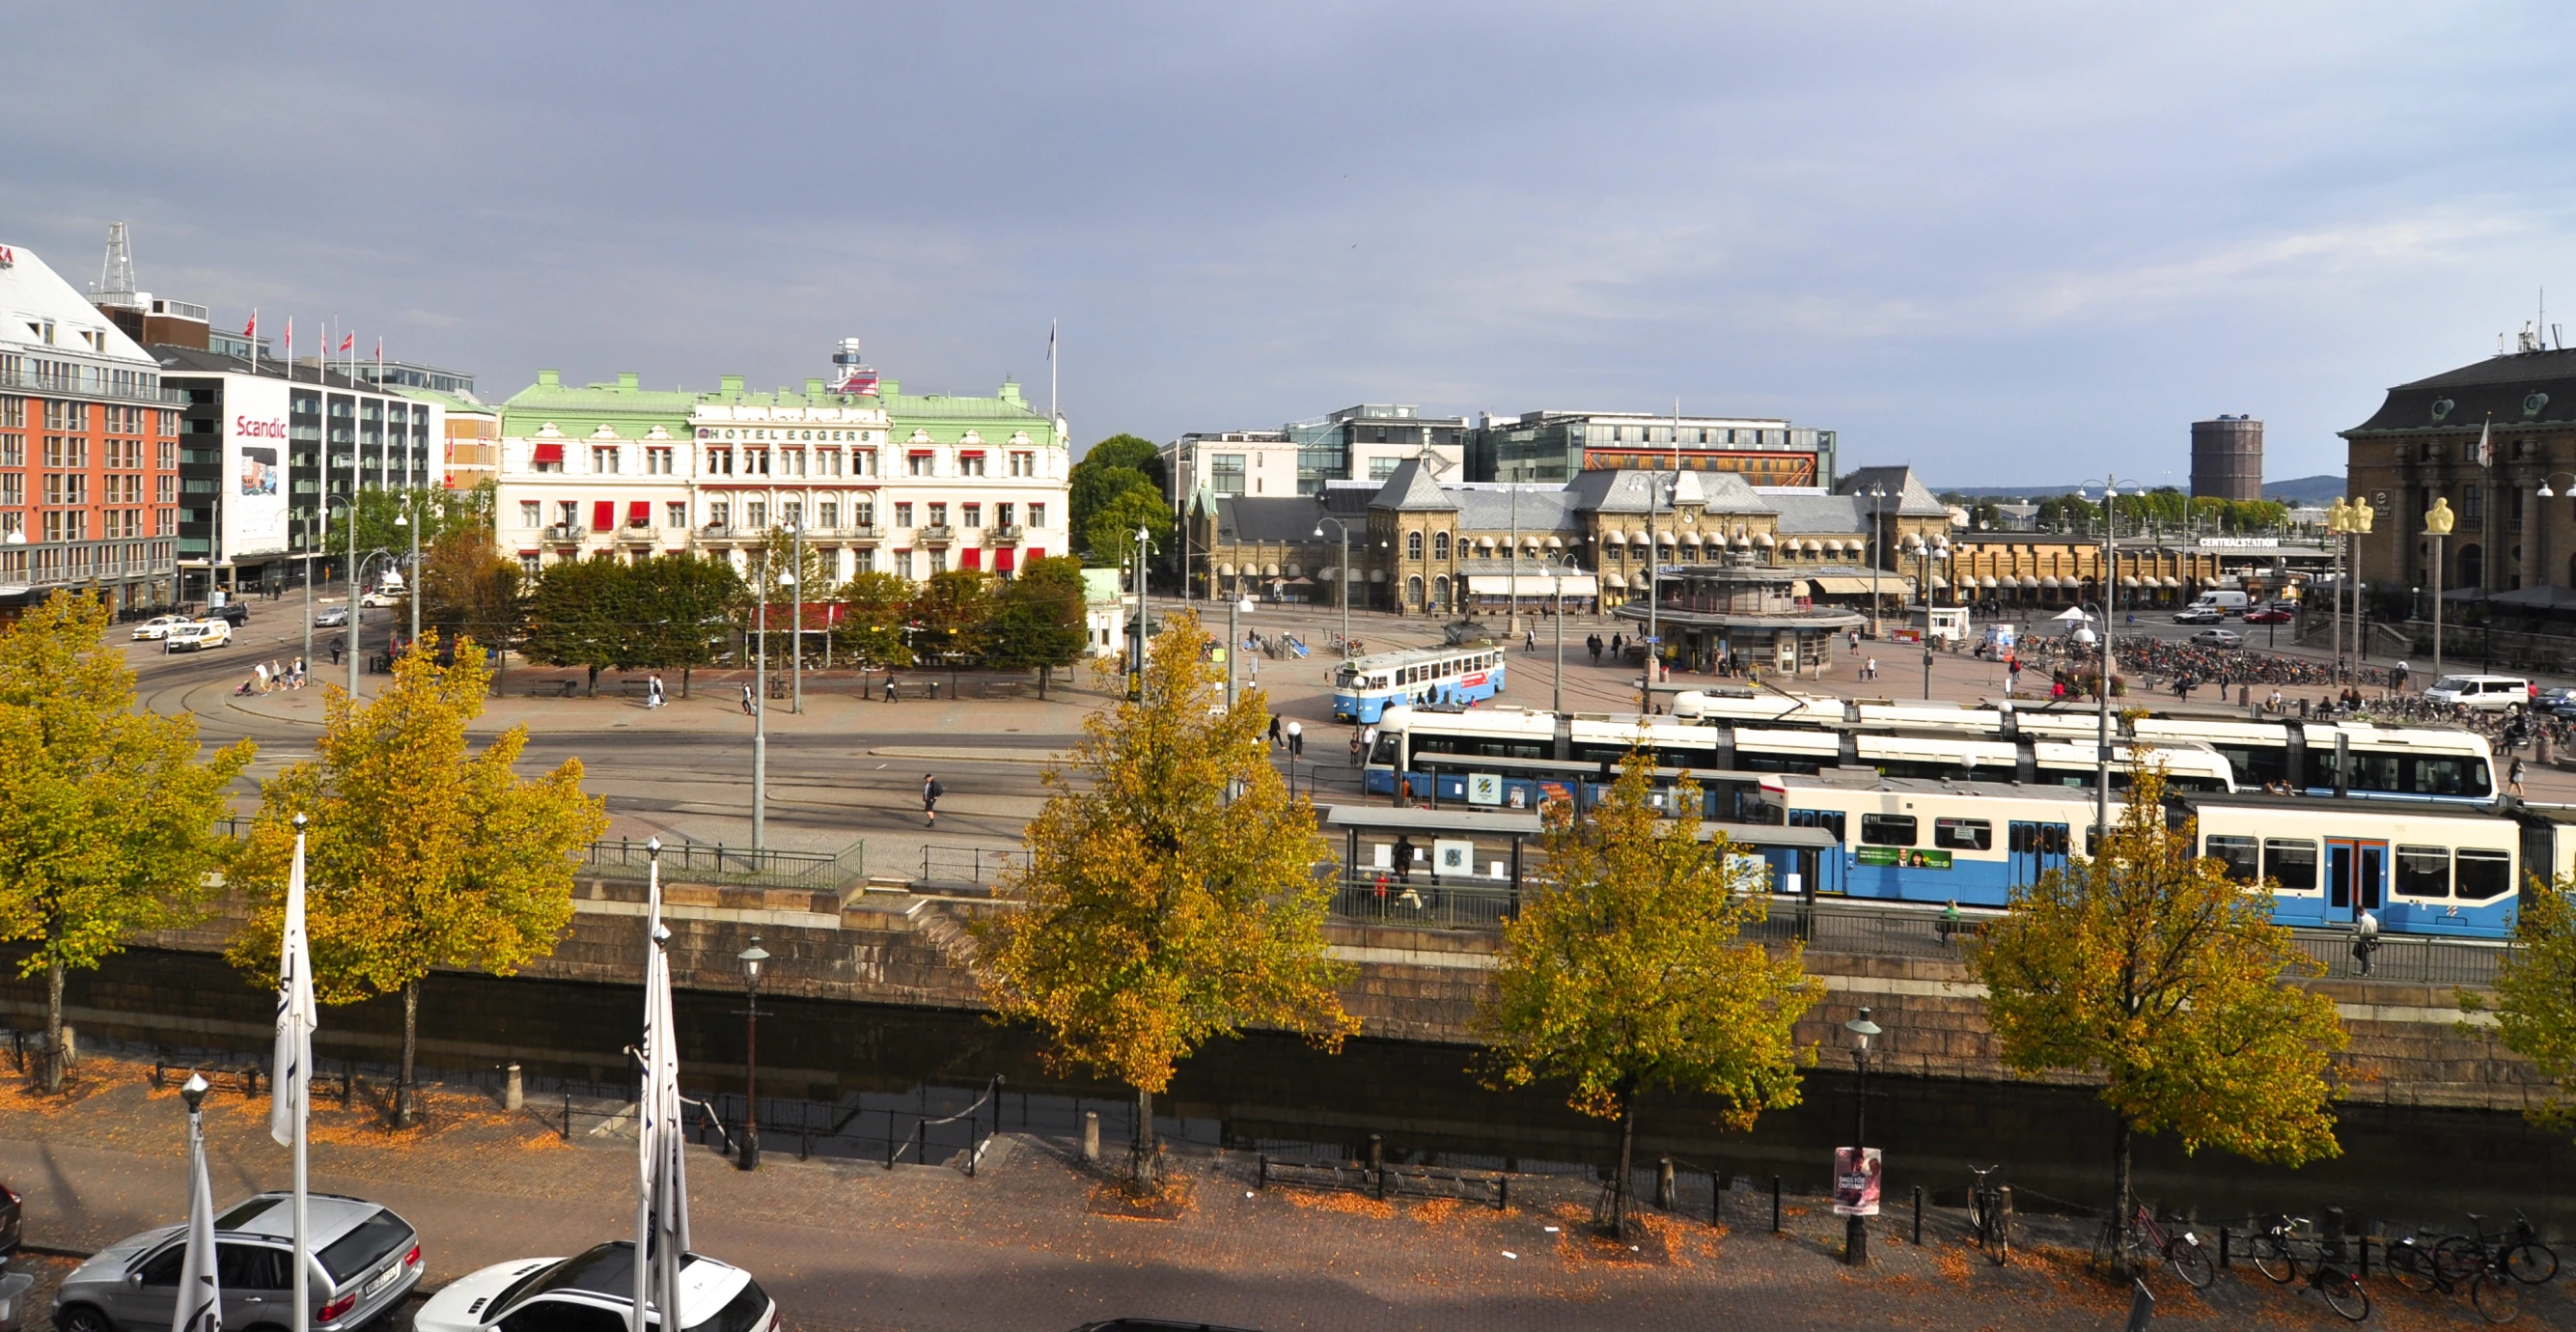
(1594, 645)
(270, 676)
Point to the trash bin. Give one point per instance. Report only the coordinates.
(13, 1300)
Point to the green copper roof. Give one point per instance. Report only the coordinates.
(579, 411)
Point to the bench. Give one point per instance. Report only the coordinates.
(556, 689)
(636, 688)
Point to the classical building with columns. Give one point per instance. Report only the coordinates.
(2497, 439)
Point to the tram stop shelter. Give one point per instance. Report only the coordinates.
(1438, 867)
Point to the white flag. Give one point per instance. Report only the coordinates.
(200, 1306)
(292, 1070)
(662, 1183)
(2486, 446)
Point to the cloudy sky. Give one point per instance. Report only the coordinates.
(2025, 246)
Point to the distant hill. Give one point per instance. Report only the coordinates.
(2321, 489)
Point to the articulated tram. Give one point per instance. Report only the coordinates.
(1365, 687)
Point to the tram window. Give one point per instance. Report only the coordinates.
(1887, 830)
(2423, 871)
(1963, 834)
(1385, 751)
(1831, 819)
(2291, 864)
(1600, 754)
(2483, 874)
(2257, 765)
(2459, 775)
(2373, 772)
(2242, 855)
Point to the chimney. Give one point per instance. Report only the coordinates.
(628, 381)
(731, 384)
(550, 379)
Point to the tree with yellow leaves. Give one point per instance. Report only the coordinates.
(420, 854)
(1174, 891)
(2148, 967)
(1625, 972)
(107, 818)
(2535, 996)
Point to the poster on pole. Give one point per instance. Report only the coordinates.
(1856, 1181)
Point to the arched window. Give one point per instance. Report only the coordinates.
(1439, 545)
(1440, 592)
(1413, 551)
(1413, 585)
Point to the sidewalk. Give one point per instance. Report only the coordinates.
(847, 1245)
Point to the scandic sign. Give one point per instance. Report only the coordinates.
(246, 428)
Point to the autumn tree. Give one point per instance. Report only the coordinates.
(2146, 966)
(949, 617)
(107, 816)
(1038, 619)
(1173, 891)
(2535, 996)
(1626, 972)
(876, 612)
(583, 613)
(421, 854)
(469, 590)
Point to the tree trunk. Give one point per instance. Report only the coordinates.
(1043, 671)
(54, 1027)
(1143, 1181)
(684, 682)
(2120, 1199)
(410, 1048)
(1619, 1192)
(594, 682)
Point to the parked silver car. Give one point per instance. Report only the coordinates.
(365, 1261)
(592, 1292)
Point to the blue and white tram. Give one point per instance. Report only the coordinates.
(2424, 870)
(1364, 688)
(1917, 839)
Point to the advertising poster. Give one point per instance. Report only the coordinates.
(1856, 1181)
(255, 454)
(1907, 856)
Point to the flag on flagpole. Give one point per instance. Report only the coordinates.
(290, 345)
(292, 1075)
(251, 329)
(348, 340)
(200, 1306)
(2486, 445)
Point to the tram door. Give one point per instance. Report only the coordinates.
(2354, 872)
(2036, 849)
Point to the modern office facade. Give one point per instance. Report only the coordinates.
(89, 453)
(1362, 443)
(877, 480)
(1556, 445)
(266, 451)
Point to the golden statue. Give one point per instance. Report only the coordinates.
(2362, 514)
(2339, 516)
(2438, 519)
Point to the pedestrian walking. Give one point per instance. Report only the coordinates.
(1594, 643)
(338, 645)
(2513, 776)
(299, 672)
(260, 675)
(653, 695)
(1618, 644)
(1274, 730)
(1404, 859)
(1529, 640)
(1855, 642)
(890, 687)
(930, 793)
(750, 707)
(2398, 677)
(1870, 671)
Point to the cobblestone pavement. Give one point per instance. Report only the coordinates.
(851, 1246)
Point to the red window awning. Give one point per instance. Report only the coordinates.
(1037, 553)
(1002, 559)
(603, 515)
(549, 453)
(970, 453)
(639, 513)
(970, 558)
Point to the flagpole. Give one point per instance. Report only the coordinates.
(647, 1099)
(291, 1089)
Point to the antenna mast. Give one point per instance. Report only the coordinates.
(116, 275)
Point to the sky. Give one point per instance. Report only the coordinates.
(2012, 244)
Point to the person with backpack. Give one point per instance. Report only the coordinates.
(930, 793)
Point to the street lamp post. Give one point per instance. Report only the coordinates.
(751, 958)
(1877, 498)
(1558, 706)
(1855, 1226)
(796, 613)
(1343, 581)
(2437, 525)
(760, 709)
(1296, 749)
(1234, 611)
(2102, 664)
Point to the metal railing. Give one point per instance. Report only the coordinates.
(978, 865)
(26, 380)
(935, 532)
(863, 1127)
(2422, 961)
(1426, 901)
(716, 864)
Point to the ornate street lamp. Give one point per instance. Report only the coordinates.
(751, 958)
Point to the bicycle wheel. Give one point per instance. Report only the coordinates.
(2498, 1297)
(2190, 1262)
(2412, 1265)
(2344, 1295)
(2531, 1262)
(2272, 1258)
(2457, 1258)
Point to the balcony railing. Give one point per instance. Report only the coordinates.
(1008, 534)
(644, 532)
(564, 532)
(26, 380)
(936, 532)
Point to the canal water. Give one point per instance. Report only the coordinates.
(875, 1069)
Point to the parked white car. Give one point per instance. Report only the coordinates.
(2226, 638)
(158, 627)
(2485, 693)
(197, 635)
(594, 1292)
(382, 597)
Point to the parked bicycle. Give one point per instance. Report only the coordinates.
(2461, 1262)
(2181, 1250)
(2280, 1250)
(1990, 1215)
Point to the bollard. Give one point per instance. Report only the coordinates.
(1377, 1152)
(2223, 1240)
(250, 1080)
(1918, 1215)
(1717, 1197)
(514, 1093)
(1503, 1194)
(349, 1089)
(1090, 1135)
(1664, 1184)
(2364, 1245)
(1775, 1204)
(1262, 1180)
(2142, 1306)
(567, 1130)
(2333, 1236)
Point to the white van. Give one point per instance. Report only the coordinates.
(2225, 603)
(197, 635)
(2484, 693)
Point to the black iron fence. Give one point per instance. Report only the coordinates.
(716, 864)
(978, 866)
(1429, 901)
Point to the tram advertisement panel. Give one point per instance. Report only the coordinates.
(1904, 856)
(1856, 1181)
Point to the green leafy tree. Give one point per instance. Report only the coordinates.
(1156, 913)
(469, 590)
(684, 607)
(876, 612)
(1109, 469)
(421, 854)
(583, 613)
(1038, 619)
(950, 616)
(107, 818)
(1111, 536)
(2535, 997)
(2147, 967)
(1626, 972)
